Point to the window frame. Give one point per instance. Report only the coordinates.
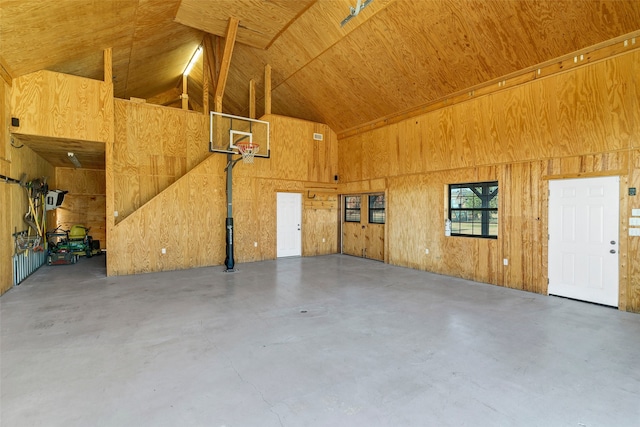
(485, 210)
(348, 209)
(372, 210)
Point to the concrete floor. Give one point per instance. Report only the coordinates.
(325, 341)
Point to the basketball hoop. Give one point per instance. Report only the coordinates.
(247, 150)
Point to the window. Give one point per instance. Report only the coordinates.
(473, 209)
(376, 209)
(351, 208)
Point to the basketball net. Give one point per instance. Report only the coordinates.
(248, 150)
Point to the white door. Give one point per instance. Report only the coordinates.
(289, 221)
(583, 239)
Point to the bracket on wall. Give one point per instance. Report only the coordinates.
(309, 196)
(354, 11)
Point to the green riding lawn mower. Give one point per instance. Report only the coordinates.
(62, 246)
(67, 246)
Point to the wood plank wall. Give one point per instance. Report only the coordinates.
(6, 242)
(14, 204)
(58, 105)
(187, 217)
(85, 204)
(585, 122)
(155, 146)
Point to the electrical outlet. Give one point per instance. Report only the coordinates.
(115, 214)
(255, 244)
(324, 240)
(505, 261)
(426, 251)
(164, 251)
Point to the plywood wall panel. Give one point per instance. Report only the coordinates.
(27, 162)
(192, 207)
(323, 157)
(320, 227)
(633, 105)
(127, 195)
(206, 211)
(587, 105)
(62, 106)
(81, 181)
(375, 153)
(6, 242)
(153, 147)
(585, 122)
(632, 290)
(15, 162)
(349, 159)
(522, 209)
(85, 202)
(5, 122)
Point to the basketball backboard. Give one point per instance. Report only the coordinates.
(226, 131)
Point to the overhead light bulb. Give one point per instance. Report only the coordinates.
(193, 61)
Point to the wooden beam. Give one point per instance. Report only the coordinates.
(205, 83)
(225, 63)
(185, 95)
(108, 65)
(165, 98)
(267, 89)
(252, 99)
(4, 72)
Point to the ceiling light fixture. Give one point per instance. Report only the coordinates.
(74, 160)
(355, 11)
(193, 61)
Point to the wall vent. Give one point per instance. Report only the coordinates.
(318, 137)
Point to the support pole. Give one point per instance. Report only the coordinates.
(229, 261)
(205, 83)
(252, 99)
(185, 95)
(108, 65)
(267, 89)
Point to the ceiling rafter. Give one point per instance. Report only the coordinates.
(225, 62)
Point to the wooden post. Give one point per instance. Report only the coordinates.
(252, 99)
(226, 62)
(267, 89)
(205, 83)
(108, 65)
(185, 95)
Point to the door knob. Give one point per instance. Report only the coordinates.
(613, 242)
(613, 251)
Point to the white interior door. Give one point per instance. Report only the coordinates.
(289, 222)
(583, 239)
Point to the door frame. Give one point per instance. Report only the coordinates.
(300, 211)
(621, 243)
(364, 216)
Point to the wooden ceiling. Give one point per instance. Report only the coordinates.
(262, 21)
(393, 56)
